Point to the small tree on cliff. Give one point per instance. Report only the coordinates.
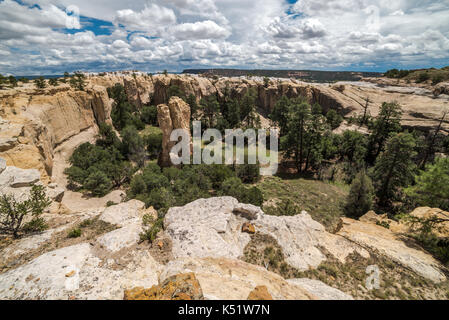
(13, 213)
(360, 198)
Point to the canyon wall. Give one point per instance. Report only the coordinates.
(36, 122)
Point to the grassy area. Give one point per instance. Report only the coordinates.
(322, 200)
(150, 130)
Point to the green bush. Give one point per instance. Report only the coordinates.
(233, 187)
(13, 213)
(248, 173)
(149, 115)
(75, 233)
(285, 208)
(153, 144)
(334, 119)
(150, 234)
(98, 183)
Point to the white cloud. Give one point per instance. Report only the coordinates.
(199, 30)
(177, 34)
(150, 18)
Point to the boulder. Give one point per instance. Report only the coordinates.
(426, 213)
(19, 178)
(178, 287)
(124, 214)
(56, 193)
(206, 228)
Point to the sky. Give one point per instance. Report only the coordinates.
(54, 36)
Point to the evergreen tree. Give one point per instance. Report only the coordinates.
(386, 123)
(360, 198)
(432, 186)
(298, 123)
(394, 168)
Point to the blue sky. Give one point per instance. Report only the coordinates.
(53, 36)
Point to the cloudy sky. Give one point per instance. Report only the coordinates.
(53, 36)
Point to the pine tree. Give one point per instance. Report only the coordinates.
(394, 168)
(386, 123)
(432, 186)
(360, 198)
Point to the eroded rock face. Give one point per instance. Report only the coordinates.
(178, 287)
(213, 228)
(230, 279)
(18, 178)
(389, 244)
(174, 116)
(320, 289)
(100, 269)
(260, 293)
(2, 165)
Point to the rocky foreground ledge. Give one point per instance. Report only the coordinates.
(200, 255)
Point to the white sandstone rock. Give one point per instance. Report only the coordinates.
(2, 165)
(212, 228)
(206, 228)
(18, 178)
(124, 213)
(320, 289)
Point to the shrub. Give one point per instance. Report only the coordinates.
(75, 233)
(285, 208)
(334, 119)
(233, 187)
(14, 213)
(153, 144)
(150, 234)
(248, 173)
(423, 77)
(98, 183)
(149, 115)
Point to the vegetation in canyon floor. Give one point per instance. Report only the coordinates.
(390, 170)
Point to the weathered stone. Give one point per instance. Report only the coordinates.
(56, 194)
(260, 293)
(90, 278)
(18, 178)
(206, 228)
(124, 214)
(7, 144)
(2, 165)
(320, 289)
(178, 287)
(248, 228)
(212, 228)
(442, 230)
(230, 279)
(119, 239)
(174, 116)
(390, 244)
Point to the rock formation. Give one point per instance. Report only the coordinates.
(174, 116)
(213, 228)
